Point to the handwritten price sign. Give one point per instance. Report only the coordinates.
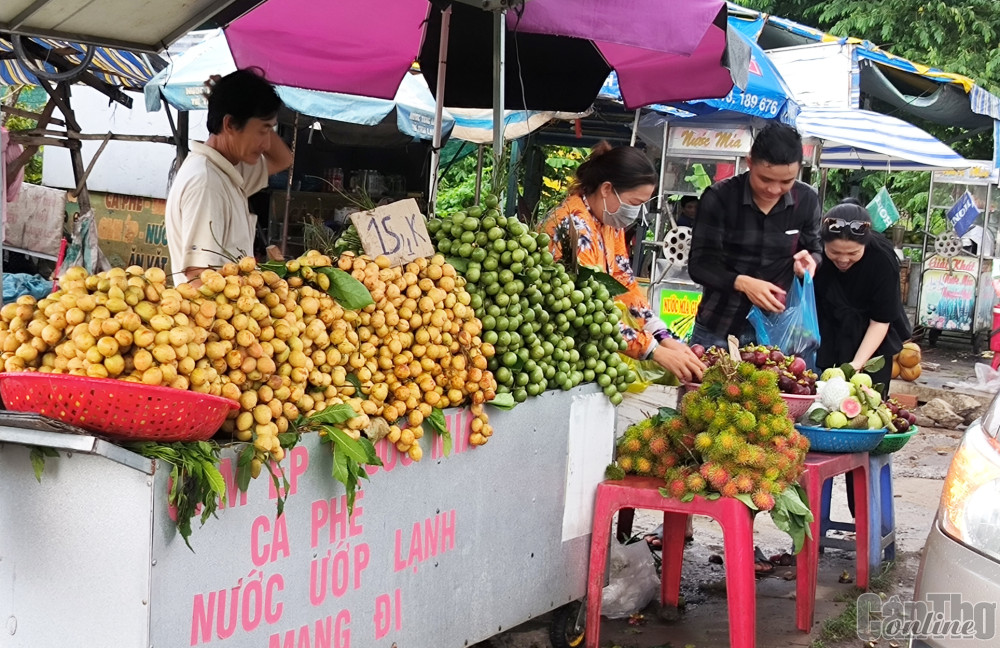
(398, 231)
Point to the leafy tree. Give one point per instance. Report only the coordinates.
(458, 181)
(957, 36)
(32, 170)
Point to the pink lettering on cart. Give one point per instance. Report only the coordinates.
(388, 614)
(333, 514)
(427, 539)
(262, 551)
(326, 633)
(338, 571)
(218, 614)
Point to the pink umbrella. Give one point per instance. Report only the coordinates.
(559, 51)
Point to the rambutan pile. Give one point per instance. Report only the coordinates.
(732, 437)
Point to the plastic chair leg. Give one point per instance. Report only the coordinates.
(674, 525)
(862, 523)
(808, 559)
(741, 588)
(600, 541)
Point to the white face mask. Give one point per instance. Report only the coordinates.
(622, 217)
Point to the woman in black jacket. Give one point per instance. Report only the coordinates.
(858, 302)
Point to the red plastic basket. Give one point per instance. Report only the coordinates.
(797, 405)
(116, 408)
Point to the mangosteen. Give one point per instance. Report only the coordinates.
(797, 366)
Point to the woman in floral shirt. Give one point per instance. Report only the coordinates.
(608, 195)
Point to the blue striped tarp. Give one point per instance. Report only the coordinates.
(118, 67)
(862, 139)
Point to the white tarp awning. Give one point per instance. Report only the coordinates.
(862, 139)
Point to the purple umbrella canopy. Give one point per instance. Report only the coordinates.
(558, 52)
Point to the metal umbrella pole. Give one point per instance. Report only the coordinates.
(288, 188)
(438, 111)
(479, 173)
(499, 89)
(661, 206)
(635, 127)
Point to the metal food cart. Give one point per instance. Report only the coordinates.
(445, 552)
(689, 152)
(960, 280)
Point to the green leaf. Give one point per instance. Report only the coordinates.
(351, 485)
(746, 499)
(796, 501)
(243, 468)
(277, 267)
(333, 415)
(38, 463)
(503, 401)
(688, 497)
(711, 497)
(461, 265)
(289, 440)
(848, 370)
(347, 290)
(279, 485)
(436, 424)
(665, 414)
(818, 415)
(875, 364)
(49, 452)
(356, 382)
(349, 446)
(371, 456)
(615, 288)
(214, 479)
(436, 419)
(339, 465)
(791, 515)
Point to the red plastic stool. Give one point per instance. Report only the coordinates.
(820, 467)
(737, 530)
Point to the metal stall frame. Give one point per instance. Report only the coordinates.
(978, 326)
(667, 155)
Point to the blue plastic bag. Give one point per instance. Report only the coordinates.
(794, 330)
(16, 285)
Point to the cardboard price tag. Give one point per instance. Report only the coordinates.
(397, 230)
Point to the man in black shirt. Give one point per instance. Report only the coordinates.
(753, 233)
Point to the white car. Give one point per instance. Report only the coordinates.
(958, 585)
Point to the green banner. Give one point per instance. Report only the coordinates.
(677, 310)
(883, 211)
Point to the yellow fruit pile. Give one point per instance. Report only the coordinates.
(906, 363)
(280, 347)
(420, 346)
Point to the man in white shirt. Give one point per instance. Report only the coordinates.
(207, 210)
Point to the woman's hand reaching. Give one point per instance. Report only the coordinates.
(677, 358)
